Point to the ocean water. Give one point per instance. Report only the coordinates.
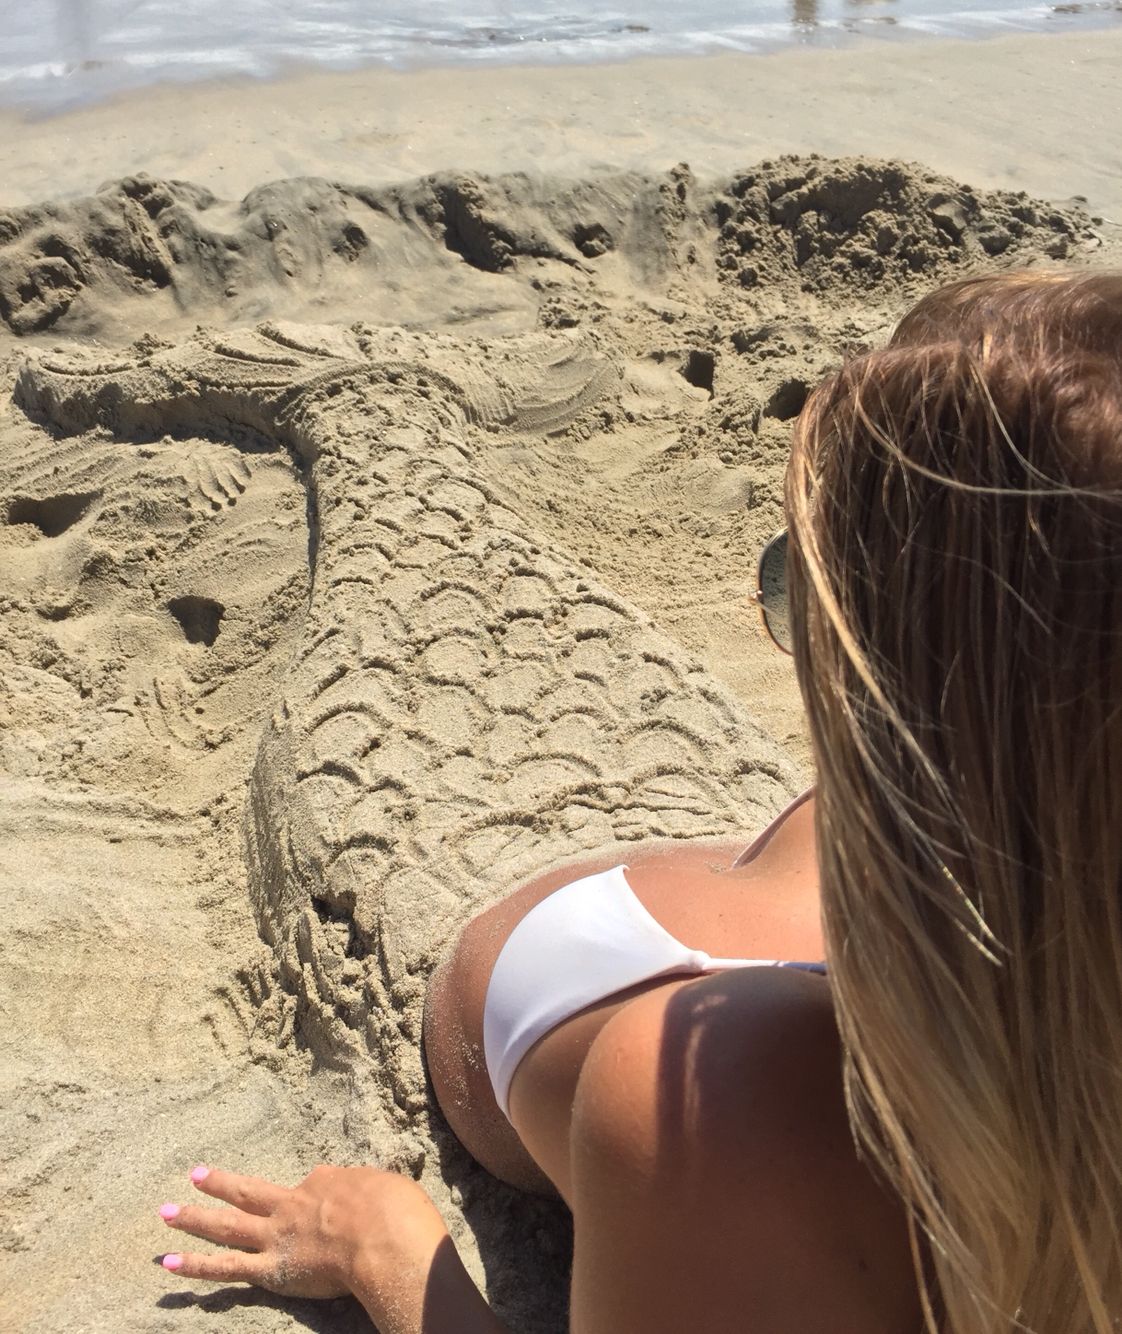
(60, 53)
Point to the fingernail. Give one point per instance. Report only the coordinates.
(199, 1173)
(169, 1211)
(172, 1261)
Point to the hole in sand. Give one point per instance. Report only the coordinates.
(592, 239)
(699, 368)
(199, 618)
(788, 400)
(52, 515)
(340, 926)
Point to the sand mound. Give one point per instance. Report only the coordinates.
(376, 616)
(833, 225)
(165, 249)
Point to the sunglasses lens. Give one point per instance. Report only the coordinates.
(773, 586)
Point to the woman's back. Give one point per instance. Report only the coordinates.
(714, 1180)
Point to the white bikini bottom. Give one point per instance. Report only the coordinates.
(584, 942)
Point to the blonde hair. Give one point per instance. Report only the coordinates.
(955, 505)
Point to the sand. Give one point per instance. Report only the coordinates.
(368, 544)
(1028, 112)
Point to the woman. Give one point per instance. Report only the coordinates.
(932, 1137)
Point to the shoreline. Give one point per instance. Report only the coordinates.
(910, 100)
(52, 85)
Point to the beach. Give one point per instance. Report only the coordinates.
(385, 460)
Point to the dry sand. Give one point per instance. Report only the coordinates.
(364, 548)
(1030, 112)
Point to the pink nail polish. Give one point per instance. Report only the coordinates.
(169, 1211)
(172, 1262)
(199, 1173)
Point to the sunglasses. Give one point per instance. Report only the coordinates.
(771, 592)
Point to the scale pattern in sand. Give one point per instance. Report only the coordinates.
(465, 706)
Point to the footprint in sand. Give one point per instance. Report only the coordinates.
(156, 585)
(143, 635)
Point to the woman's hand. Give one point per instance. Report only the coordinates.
(341, 1230)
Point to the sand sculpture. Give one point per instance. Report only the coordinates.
(326, 602)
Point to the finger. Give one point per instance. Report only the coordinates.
(252, 1194)
(226, 1227)
(220, 1267)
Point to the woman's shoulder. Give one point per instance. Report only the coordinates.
(716, 1109)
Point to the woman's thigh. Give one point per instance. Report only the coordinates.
(453, 1030)
(453, 1023)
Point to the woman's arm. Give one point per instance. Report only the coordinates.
(357, 1230)
(436, 1297)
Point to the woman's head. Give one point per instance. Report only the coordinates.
(955, 505)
